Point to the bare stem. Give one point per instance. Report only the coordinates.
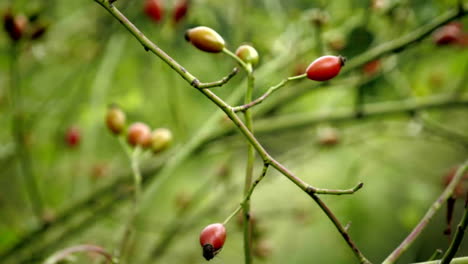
(220, 82)
(462, 260)
(63, 254)
(267, 93)
(337, 192)
(128, 230)
(457, 239)
(437, 253)
(248, 194)
(248, 172)
(343, 231)
(428, 216)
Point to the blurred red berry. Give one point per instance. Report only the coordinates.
(371, 67)
(212, 240)
(72, 137)
(139, 134)
(448, 34)
(328, 136)
(180, 10)
(154, 9)
(463, 40)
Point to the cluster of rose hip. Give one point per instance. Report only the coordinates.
(213, 236)
(19, 26)
(155, 10)
(138, 134)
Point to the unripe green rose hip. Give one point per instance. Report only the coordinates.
(161, 139)
(248, 54)
(115, 119)
(205, 38)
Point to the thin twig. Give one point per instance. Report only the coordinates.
(457, 239)
(218, 83)
(249, 193)
(268, 93)
(249, 167)
(428, 216)
(336, 192)
(130, 225)
(343, 231)
(63, 254)
(462, 260)
(437, 253)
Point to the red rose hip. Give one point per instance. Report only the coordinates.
(154, 9)
(180, 10)
(212, 240)
(139, 134)
(325, 68)
(72, 137)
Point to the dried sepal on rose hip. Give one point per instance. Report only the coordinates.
(212, 240)
(161, 139)
(247, 54)
(325, 68)
(15, 25)
(205, 39)
(115, 119)
(139, 134)
(448, 34)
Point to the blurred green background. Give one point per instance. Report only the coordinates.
(86, 60)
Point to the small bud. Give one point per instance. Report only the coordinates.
(206, 39)
(115, 119)
(161, 139)
(139, 134)
(319, 17)
(336, 41)
(328, 136)
(248, 54)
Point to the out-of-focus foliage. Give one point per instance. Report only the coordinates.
(86, 60)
